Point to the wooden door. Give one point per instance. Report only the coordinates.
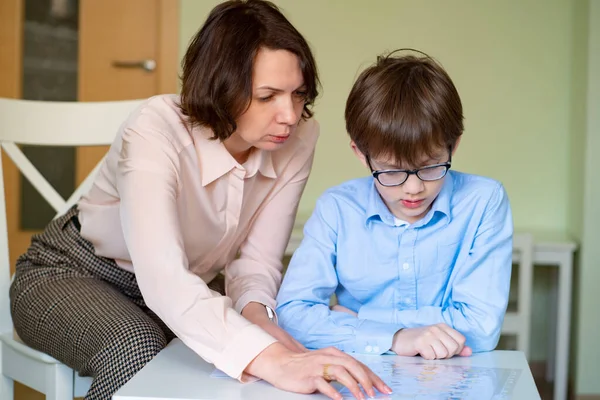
(111, 35)
(109, 32)
(125, 33)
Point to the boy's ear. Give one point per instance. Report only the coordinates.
(359, 154)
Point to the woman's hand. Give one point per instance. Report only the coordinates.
(283, 337)
(257, 314)
(312, 371)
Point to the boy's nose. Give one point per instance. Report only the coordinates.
(413, 185)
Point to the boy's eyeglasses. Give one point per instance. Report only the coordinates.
(396, 177)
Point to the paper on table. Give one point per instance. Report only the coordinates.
(438, 379)
(217, 373)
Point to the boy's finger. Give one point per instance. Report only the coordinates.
(427, 352)
(456, 335)
(452, 346)
(439, 349)
(466, 352)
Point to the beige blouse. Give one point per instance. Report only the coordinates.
(176, 209)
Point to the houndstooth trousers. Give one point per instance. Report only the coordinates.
(83, 309)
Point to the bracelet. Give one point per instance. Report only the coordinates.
(270, 314)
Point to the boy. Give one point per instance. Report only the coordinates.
(419, 256)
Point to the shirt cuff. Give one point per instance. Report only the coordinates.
(248, 344)
(378, 314)
(374, 337)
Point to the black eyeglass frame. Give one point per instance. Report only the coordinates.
(409, 172)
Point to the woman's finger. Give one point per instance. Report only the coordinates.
(332, 351)
(378, 383)
(359, 372)
(340, 374)
(299, 346)
(325, 387)
(354, 367)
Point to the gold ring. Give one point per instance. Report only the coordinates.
(326, 375)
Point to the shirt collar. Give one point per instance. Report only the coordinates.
(215, 161)
(260, 161)
(376, 208)
(441, 205)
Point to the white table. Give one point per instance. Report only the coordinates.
(550, 249)
(177, 373)
(557, 251)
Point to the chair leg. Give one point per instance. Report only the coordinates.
(59, 383)
(6, 388)
(6, 384)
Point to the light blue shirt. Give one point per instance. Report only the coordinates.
(453, 266)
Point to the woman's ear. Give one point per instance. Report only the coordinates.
(359, 154)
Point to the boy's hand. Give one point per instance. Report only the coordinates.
(343, 309)
(431, 342)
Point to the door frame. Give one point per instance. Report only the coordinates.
(11, 79)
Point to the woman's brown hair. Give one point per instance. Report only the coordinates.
(217, 67)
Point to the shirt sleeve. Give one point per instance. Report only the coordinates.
(255, 276)
(147, 182)
(480, 285)
(309, 283)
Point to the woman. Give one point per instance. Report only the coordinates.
(193, 185)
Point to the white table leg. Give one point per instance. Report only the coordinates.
(552, 325)
(565, 281)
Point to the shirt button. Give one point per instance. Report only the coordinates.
(405, 266)
(368, 349)
(376, 349)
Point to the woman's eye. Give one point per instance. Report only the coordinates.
(266, 98)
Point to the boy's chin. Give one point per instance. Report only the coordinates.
(411, 215)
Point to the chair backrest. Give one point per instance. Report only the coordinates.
(47, 123)
(520, 321)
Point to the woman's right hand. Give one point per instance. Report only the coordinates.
(304, 372)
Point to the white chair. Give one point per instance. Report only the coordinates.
(518, 322)
(50, 124)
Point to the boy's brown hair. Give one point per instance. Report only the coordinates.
(404, 108)
(217, 67)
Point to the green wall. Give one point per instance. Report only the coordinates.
(587, 354)
(520, 69)
(510, 63)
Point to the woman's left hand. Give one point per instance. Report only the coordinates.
(257, 314)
